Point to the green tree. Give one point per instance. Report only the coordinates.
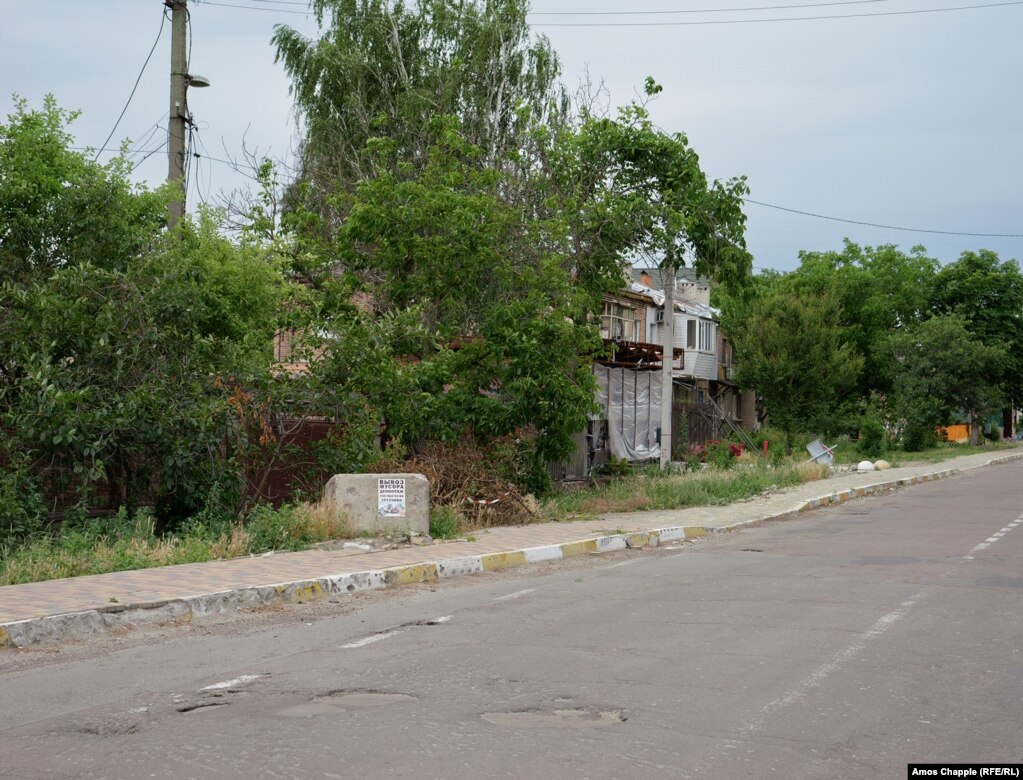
(878, 290)
(484, 325)
(796, 356)
(988, 294)
(388, 69)
(945, 369)
(58, 208)
(628, 189)
(119, 371)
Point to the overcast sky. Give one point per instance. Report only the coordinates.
(875, 115)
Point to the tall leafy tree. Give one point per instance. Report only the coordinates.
(490, 339)
(877, 291)
(58, 207)
(988, 294)
(382, 68)
(792, 350)
(944, 368)
(629, 189)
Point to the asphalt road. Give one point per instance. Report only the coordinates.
(844, 643)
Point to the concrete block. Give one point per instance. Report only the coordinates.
(378, 503)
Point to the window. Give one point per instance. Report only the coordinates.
(617, 321)
(690, 334)
(706, 336)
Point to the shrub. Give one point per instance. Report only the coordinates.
(464, 474)
(917, 437)
(444, 522)
(22, 513)
(873, 439)
(286, 528)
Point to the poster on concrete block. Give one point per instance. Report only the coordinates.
(390, 497)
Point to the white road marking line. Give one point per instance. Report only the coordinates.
(369, 640)
(443, 619)
(517, 594)
(623, 563)
(822, 672)
(245, 678)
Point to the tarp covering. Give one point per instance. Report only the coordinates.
(632, 401)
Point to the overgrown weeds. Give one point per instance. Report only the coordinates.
(96, 546)
(121, 543)
(676, 491)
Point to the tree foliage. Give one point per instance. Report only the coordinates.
(58, 208)
(877, 290)
(383, 69)
(629, 189)
(797, 356)
(945, 368)
(988, 294)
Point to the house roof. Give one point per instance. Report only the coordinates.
(657, 276)
(698, 310)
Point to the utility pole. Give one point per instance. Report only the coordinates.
(178, 117)
(667, 360)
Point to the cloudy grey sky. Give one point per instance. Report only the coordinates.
(878, 114)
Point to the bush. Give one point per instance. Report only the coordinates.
(873, 438)
(444, 522)
(463, 474)
(917, 437)
(286, 528)
(22, 512)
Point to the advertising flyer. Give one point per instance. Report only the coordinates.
(390, 497)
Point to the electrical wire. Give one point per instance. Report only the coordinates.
(141, 144)
(780, 18)
(256, 8)
(196, 140)
(150, 153)
(281, 2)
(163, 20)
(886, 227)
(695, 10)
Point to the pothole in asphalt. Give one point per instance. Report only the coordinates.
(561, 718)
(339, 701)
(359, 699)
(201, 705)
(111, 728)
(886, 560)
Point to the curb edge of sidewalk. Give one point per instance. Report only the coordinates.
(76, 625)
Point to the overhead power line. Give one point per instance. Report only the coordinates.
(703, 10)
(163, 19)
(779, 18)
(257, 8)
(764, 20)
(886, 227)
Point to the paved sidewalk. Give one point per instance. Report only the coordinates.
(70, 608)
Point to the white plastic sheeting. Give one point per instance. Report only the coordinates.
(632, 402)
